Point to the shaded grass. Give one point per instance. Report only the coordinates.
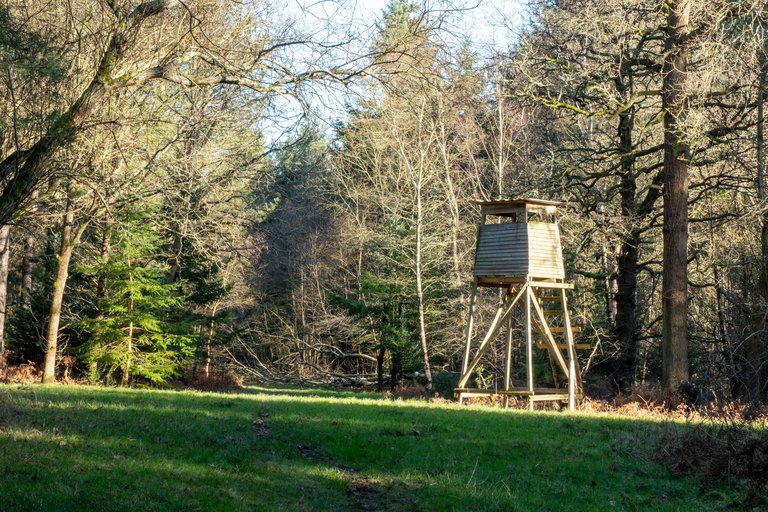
(80, 449)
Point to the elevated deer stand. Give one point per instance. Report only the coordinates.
(520, 253)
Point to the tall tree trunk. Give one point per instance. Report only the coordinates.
(626, 295)
(754, 343)
(28, 258)
(5, 250)
(57, 295)
(70, 237)
(501, 160)
(27, 167)
(626, 311)
(676, 157)
(380, 368)
(129, 349)
(128, 357)
(174, 273)
(27, 269)
(209, 339)
(104, 252)
(611, 284)
(420, 292)
(453, 206)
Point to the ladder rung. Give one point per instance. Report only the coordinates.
(574, 329)
(549, 298)
(564, 346)
(553, 312)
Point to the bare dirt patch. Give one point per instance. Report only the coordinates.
(366, 495)
(364, 492)
(261, 424)
(313, 453)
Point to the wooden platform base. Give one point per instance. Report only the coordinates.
(564, 346)
(537, 395)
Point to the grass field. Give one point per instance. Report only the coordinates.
(103, 449)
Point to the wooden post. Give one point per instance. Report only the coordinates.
(508, 363)
(569, 339)
(529, 346)
(468, 335)
(470, 326)
(572, 385)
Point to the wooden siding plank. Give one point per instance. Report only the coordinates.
(530, 249)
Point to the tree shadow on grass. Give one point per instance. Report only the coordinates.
(281, 450)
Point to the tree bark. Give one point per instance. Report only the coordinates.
(209, 339)
(70, 237)
(27, 269)
(380, 368)
(611, 284)
(420, 292)
(626, 311)
(174, 272)
(453, 205)
(754, 344)
(104, 252)
(57, 295)
(5, 250)
(675, 231)
(626, 295)
(128, 357)
(28, 258)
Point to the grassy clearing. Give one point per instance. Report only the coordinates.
(80, 449)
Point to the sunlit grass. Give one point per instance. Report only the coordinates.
(79, 449)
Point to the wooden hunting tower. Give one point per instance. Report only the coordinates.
(518, 250)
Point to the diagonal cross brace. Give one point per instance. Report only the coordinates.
(551, 344)
(578, 384)
(498, 321)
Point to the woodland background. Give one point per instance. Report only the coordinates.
(171, 207)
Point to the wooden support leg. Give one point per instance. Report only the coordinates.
(529, 346)
(571, 345)
(572, 387)
(470, 326)
(508, 363)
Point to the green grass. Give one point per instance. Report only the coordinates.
(79, 449)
